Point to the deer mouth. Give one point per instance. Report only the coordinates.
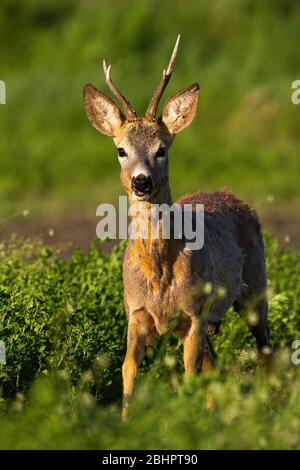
(142, 195)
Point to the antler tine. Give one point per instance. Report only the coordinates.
(129, 111)
(166, 75)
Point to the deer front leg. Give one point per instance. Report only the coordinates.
(198, 354)
(139, 333)
(193, 348)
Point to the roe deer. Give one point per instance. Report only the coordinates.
(162, 279)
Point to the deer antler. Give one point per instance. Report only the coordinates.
(129, 111)
(166, 75)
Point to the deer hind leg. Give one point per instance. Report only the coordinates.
(209, 357)
(258, 325)
(260, 328)
(140, 334)
(253, 298)
(208, 365)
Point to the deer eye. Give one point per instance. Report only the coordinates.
(161, 152)
(121, 152)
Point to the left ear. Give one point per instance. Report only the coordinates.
(180, 110)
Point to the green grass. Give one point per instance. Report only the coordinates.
(243, 53)
(64, 327)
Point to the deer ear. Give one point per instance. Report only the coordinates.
(179, 111)
(104, 115)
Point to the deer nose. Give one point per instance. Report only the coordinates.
(141, 184)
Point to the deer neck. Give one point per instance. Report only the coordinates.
(154, 254)
(151, 241)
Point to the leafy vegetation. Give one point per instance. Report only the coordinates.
(64, 328)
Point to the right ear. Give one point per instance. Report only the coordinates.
(104, 115)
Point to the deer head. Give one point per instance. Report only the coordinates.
(143, 142)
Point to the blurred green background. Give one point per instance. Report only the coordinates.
(244, 53)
